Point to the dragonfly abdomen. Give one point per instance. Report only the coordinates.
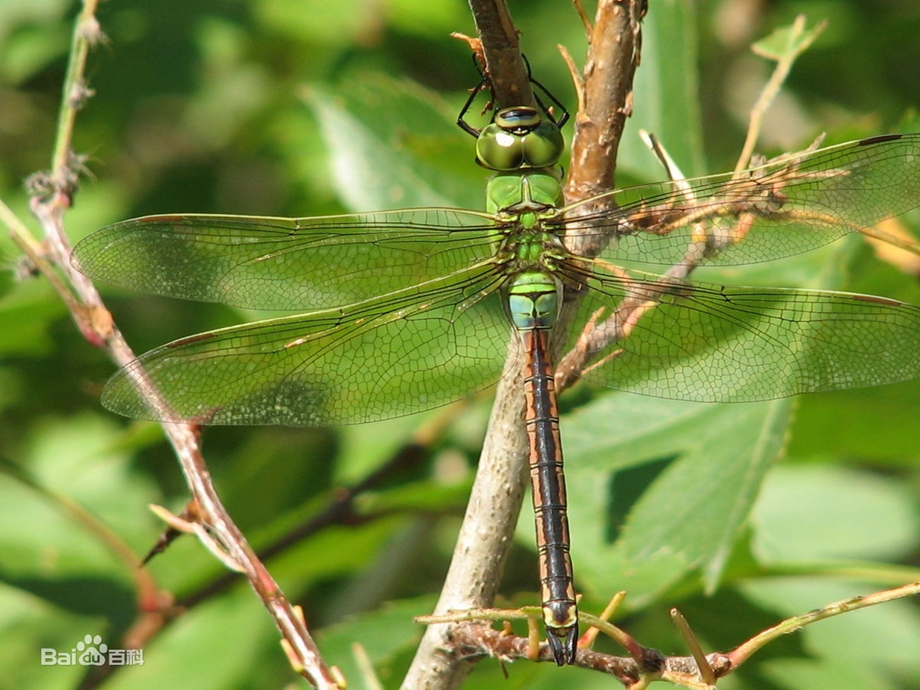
(560, 613)
(533, 299)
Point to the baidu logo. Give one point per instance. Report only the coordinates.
(92, 651)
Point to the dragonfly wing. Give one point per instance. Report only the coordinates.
(285, 263)
(783, 208)
(734, 344)
(383, 358)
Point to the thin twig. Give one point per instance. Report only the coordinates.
(704, 668)
(475, 639)
(772, 87)
(599, 336)
(743, 652)
(501, 49)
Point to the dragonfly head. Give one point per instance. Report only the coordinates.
(519, 138)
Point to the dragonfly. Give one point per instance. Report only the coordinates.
(401, 311)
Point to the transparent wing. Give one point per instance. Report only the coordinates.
(713, 343)
(386, 357)
(783, 208)
(285, 263)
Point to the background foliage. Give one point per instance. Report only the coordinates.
(300, 108)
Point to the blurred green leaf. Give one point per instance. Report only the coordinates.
(26, 44)
(393, 146)
(27, 315)
(787, 41)
(385, 635)
(814, 512)
(706, 464)
(215, 647)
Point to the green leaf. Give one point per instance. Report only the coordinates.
(27, 313)
(214, 647)
(709, 462)
(387, 635)
(77, 568)
(788, 41)
(392, 145)
(814, 512)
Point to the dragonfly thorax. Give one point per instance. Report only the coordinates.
(522, 203)
(514, 195)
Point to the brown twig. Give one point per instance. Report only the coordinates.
(501, 51)
(613, 56)
(472, 638)
(477, 641)
(341, 509)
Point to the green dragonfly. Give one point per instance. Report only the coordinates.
(409, 309)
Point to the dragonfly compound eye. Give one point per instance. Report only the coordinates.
(498, 149)
(519, 138)
(543, 146)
